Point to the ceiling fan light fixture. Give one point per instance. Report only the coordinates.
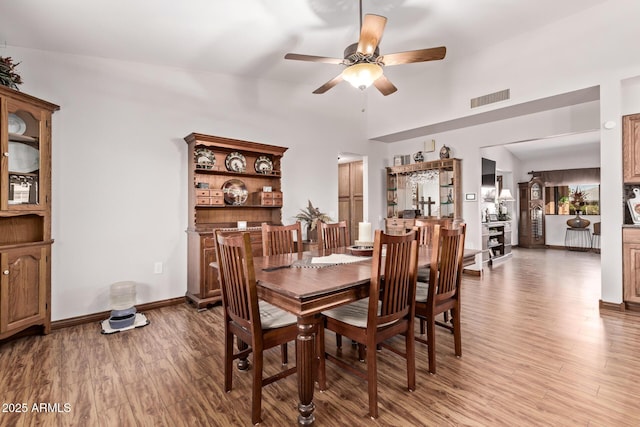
(362, 75)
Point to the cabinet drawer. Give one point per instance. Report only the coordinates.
(631, 235)
(203, 201)
(277, 195)
(216, 193)
(202, 193)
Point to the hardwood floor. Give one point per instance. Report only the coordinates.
(536, 351)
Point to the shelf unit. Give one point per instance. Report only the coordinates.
(496, 241)
(449, 182)
(219, 198)
(25, 212)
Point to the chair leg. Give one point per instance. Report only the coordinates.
(285, 353)
(243, 363)
(256, 393)
(457, 332)
(431, 342)
(338, 341)
(410, 350)
(372, 380)
(422, 326)
(320, 356)
(361, 352)
(228, 361)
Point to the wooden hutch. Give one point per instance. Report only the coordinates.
(230, 181)
(25, 212)
(446, 200)
(630, 230)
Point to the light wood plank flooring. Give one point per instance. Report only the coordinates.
(536, 351)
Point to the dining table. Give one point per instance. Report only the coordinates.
(305, 288)
(309, 283)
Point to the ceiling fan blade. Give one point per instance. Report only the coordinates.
(328, 85)
(420, 55)
(384, 85)
(371, 33)
(311, 58)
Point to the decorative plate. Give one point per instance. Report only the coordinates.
(204, 158)
(16, 124)
(235, 192)
(236, 162)
(23, 158)
(263, 164)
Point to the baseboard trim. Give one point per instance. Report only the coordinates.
(613, 306)
(97, 317)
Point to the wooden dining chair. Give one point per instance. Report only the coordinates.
(256, 323)
(388, 311)
(281, 239)
(333, 235)
(442, 293)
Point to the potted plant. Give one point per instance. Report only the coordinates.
(8, 76)
(577, 199)
(310, 216)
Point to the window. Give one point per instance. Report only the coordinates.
(569, 199)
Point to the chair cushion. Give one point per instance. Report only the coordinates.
(354, 313)
(273, 317)
(422, 291)
(423, 274)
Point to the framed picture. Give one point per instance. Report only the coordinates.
(493, 217)
(397, 160)
(470, 197)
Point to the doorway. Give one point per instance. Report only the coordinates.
(351, 192)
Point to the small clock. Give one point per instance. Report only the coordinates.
(536, 194)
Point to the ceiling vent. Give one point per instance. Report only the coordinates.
(502, 95)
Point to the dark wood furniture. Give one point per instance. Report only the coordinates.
(25, 212)
(442, 293)
(333, 235)
(281, 239)
(387, 312)
(259, 324)
(218, 178)
(531, 232)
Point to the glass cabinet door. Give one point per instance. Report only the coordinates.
(24, 153)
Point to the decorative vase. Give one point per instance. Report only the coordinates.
(578, 221)
(445, 152)
(418, 157)
(312, 235)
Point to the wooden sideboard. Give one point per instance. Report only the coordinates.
(229, 181)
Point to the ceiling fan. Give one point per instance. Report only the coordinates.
(363, 60)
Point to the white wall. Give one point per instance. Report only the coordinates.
(120, 166)
(584, 50)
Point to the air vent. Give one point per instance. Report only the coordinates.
(503, 95)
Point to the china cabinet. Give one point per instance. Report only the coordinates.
(232, 183)
(429, 189)
(25, 212)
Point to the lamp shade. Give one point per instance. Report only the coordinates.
(362, 75)
(505, 195)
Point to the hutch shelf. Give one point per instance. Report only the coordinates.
(232, 183)
(25, 212)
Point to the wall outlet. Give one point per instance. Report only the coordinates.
(157, 267)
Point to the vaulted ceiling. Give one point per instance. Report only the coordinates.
(250, 37)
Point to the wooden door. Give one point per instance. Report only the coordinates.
(23, 291)
(350, 196)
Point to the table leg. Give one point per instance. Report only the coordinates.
(305, 362)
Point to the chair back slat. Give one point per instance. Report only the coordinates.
(446, 263)
(333, 235)
(281, 239)
(395, 285)
(237, 279)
